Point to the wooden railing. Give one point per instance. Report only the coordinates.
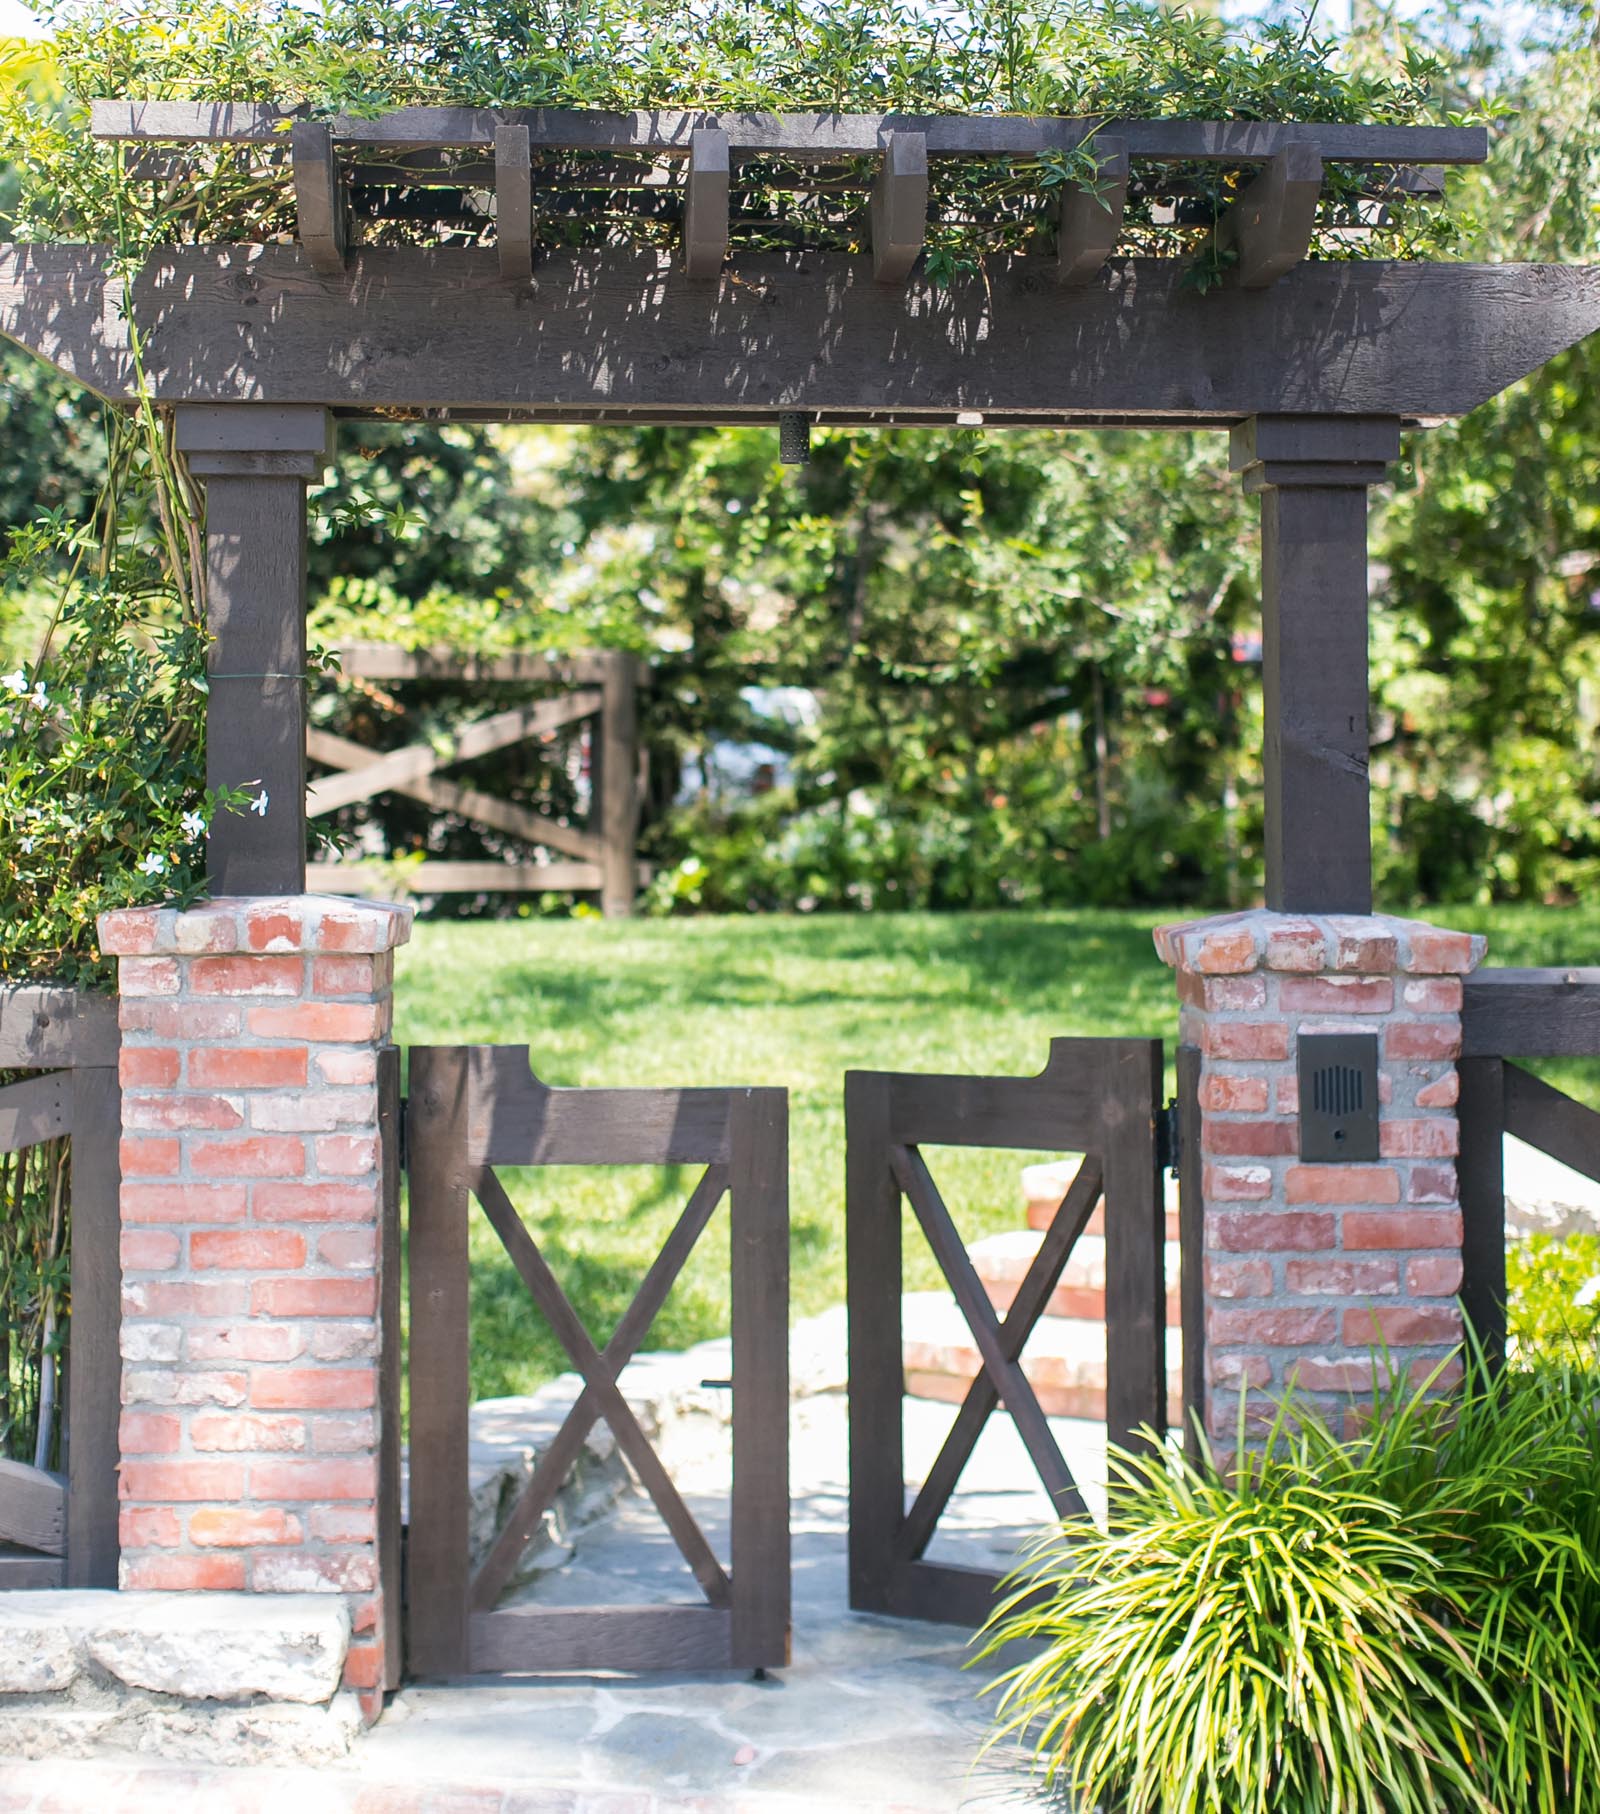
(60, 1530)
(1522, 1014)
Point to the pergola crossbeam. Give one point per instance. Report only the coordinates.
(705, 213)
(321, 205)
(513, 203)
(899, 209)
(1271, 223)
(1091, 219)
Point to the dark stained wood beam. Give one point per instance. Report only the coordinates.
(255, 460)
(513, 203)
(1532, 1014)
(799, 135)
(1312, 476)
(705, 214)
(618, 786)
(899, 207)
(431, 329)
(322, 207)
(1091, 219)
(1271, 223)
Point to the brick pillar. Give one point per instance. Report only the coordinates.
(1307, 1267)
(250, 1252)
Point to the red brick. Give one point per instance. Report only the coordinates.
(1341, 1184)
(336, 1021)
(339, 932)
(314, 1297)
(1238, 1278)
(1431, 1184)
(1356, 946)
(160, 1297)
(1443, 1375)
(311, 1480)
(1248, 1039)
(1434, 995)
(147, 1067)
(1296, 945)
(247, 1250)
(363, 1666)
(1444, 1093)
(1422, 1039)
(180, 1482)
(355, 1340)
(247, 975)
(345, 1572)
(149, 1250)
(1437, 952)
(241, 1527)
(347, 1155)
(148, 1433)
(239, 1434)
(338, 1067)
(316, 1202)
(1240, 1139)
(344, 976)
(1276, 1328)
(181, 1019)
(206, 929)
(1434, 1275)
(249, 1156)
(183, 1202)
(1223, 1093)
(344, 1523)
(148, 1527)
(312, 1111)
(314, 1388)
(1222, 994)
(170, 1386)
(350, 1249)
(128, 931)
(1226, 953)
(1337, 994)
(1236, 1370)
(1269, 1231)
(1327, 1374)
(147, 976)
(1287, 1097)
(1236, 1183)
(1403, 1228)
(204, 1574)
(167, 1112)
(1342, 1278)
(249, 1341)
(248, 1067)
(1402, 1325)
(149, 1158)
(355, 1433)
(266, 929)
(1438, 1137)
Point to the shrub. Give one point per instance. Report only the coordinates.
(1403, 1623)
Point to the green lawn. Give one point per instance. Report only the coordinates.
(792, 1001)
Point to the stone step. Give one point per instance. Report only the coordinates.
(1002, 1262)
(1065, 1359)
(1044, 1185)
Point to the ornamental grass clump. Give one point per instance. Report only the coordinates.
(1404, 1623)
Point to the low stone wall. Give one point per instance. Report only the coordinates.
(220, 1677)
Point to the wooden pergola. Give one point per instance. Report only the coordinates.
(1314, 366)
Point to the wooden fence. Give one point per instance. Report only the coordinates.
(60, 1530)
(1522, 1014)
(598, 858)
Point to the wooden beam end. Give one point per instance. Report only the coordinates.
(322, 211)
(899, 210)
(705, 212)
(513, 202)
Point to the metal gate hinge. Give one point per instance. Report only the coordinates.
(1169, 1136)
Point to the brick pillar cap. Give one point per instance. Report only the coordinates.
(257, 923)
(1308, 943)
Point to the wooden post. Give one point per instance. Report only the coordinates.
(619, 785)
(1481, 1172)
(1312, 475)
(255, 461)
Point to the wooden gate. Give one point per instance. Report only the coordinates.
(473, 1108)
(1098, 1097)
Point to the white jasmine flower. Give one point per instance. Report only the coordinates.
(153, 864)
(194, 826)
(27, 846)
(15, 682)
(38, 694)
(1588, 1293)
(259, 805)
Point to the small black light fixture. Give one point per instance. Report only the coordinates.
(794, 438)
(1338, 1075)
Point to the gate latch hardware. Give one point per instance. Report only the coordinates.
(1338, 1096)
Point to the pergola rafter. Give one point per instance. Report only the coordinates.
(1313, 365)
